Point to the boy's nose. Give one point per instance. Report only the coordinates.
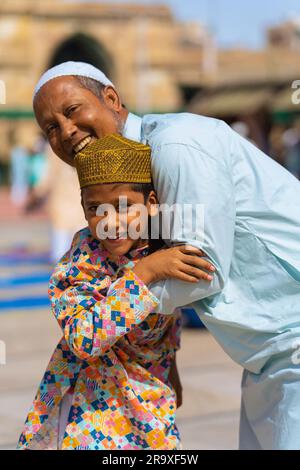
(113, 224)
(122, 223)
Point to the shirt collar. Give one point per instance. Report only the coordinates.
(133, 127)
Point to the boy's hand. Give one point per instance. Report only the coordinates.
(181, 262)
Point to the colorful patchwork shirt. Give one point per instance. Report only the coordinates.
(115, 356)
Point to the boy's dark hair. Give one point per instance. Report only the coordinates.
(144, 188)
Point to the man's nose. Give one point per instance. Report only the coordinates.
(68, 130)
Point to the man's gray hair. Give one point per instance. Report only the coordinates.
(91, 85)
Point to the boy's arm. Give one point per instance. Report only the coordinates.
(91, 321)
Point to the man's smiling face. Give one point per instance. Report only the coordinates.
(71, 116)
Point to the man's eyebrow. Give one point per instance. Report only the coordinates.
(67, 105)
(46, 120)
(49, 119)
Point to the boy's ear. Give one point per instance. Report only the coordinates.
(152, 198)
(152, 204)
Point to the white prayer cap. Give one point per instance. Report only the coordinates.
(73, 68)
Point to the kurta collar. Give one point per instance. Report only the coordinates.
(133, 127)
(128, 258)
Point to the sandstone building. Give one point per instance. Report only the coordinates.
(154, 60)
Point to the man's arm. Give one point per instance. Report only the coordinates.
(187, 174)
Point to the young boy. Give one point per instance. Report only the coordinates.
(107, 384)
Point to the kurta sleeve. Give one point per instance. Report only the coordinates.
(93, 312)
(190, 174)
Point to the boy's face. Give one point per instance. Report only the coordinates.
(120, 218)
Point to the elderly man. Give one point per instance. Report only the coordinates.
(251, 234)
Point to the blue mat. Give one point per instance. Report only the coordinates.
(35, 278)
(9, 260)
(24, 303)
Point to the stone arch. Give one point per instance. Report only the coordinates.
(83, 47)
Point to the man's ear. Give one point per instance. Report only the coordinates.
(112, 98)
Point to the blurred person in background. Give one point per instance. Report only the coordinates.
(54, 186)
(37, 167)
(19, 174)
(60, 188)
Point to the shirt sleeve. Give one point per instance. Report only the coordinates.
(93, 318)
(189, 174)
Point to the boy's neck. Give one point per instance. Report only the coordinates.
(141, 243)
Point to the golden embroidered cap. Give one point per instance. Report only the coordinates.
(113, 159)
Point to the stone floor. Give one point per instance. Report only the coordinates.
(208, 418)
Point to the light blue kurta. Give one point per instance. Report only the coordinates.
(252, 235)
